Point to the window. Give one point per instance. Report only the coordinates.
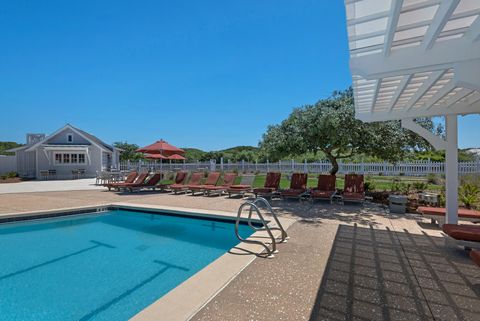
(69, 158)
(66, 158)
(69, 138)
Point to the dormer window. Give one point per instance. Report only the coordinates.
(70, 138)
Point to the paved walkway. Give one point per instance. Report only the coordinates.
(49, 186)
(341, 263)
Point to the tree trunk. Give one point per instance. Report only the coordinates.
(334, 162)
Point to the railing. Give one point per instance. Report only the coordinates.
(411, 168)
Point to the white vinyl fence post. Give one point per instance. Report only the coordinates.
(268, 166)
(305, 166)
(221, 164)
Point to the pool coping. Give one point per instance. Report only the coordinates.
(186, 299)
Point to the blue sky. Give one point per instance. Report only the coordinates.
(204, 74)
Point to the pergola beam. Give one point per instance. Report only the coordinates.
(436, 26)
(459, 109)
(424, 88)
(392, 25)
(414, 59)
(399, 91)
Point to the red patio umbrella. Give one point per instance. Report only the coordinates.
(161, 147)
(155, 156)
(176, 157)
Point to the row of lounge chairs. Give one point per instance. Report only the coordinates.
(326, 186)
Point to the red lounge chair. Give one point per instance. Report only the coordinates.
(325, 188)
(242, 188)
(475, 256)
(438, 214)
(464, 235)
(180, 179)
(151, 183)
(298, 186)
(195, 179)
(129, 179)
(212, 180)
(140, 179)
(228, 180)
(272, 182)
(354, 190)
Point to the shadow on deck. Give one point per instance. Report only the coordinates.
(379, 274)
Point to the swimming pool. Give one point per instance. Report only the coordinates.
(106, 266)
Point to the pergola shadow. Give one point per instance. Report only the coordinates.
(374, 274)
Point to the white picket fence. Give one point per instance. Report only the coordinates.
(412, 168)
(8, 164)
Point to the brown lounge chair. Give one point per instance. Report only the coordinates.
(195, 179)
(354, 190)
(141, 178)
(466, 235)
(245, 186)
(228, 180)
(272, 182)
(129, 179)
(212, 180)
(325, 188)
(180, 179)
(151, 183)
(298, 186)
(475, 256)
(437, 214)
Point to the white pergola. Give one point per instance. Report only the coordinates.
(417, 58)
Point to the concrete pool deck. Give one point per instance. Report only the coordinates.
(341, 263)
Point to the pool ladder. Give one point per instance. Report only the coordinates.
(253, 207)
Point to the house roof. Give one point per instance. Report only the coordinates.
(93, 139)
(414, 58)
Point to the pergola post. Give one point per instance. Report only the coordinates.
(451, 169)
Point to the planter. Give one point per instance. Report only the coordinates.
(398, 203)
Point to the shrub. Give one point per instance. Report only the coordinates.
(12, 174)
(420, 186)
(469, 194)
(3, 177)
(432, 178)
(369, 186)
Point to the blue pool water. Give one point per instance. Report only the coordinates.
(102, 267)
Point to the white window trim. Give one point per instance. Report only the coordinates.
(68, 138)
(85, 163)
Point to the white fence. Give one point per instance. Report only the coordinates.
(8, 164)
(412, 168)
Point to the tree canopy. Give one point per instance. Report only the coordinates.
(129, 151)
(330, 127)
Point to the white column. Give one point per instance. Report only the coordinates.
(451, 169)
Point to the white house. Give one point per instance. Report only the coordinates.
(64, 152)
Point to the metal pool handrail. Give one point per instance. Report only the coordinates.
(254, 207)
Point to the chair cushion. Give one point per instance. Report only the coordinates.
(353, 196)
(264, 190)
(463, 232)
(292, 192)
(440, 211)
(240, 187)
(321, 194)
(475, 256)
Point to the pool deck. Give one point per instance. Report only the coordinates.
(341, 263)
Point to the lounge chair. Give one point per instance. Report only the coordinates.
(212, 180)
(475, 256)
(151, 183)
(298, 186)
(325, 189)
(466, 235)
(129, 179)
(354, 190)
(437, 214)
(141, 178)
(272, 183)
(228, 180)
(195, 179)
(245, 186)
(180, 179)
